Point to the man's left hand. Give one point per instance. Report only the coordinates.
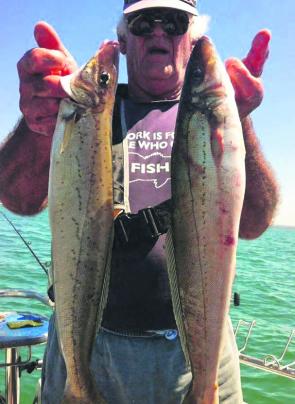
(245, 74)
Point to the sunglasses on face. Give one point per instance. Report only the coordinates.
(173, 23)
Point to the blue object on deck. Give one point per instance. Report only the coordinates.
(30, 316)
(171, 334)
(22, 336)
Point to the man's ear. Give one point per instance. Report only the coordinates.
(123, 47)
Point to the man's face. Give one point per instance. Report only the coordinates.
(156, 63)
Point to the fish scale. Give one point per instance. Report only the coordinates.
(208, 185)
(81, 216)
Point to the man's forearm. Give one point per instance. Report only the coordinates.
(262, 194)
(24, 170)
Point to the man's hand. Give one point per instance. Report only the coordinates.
(245, 74)
(39, 73)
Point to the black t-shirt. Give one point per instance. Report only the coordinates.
(139, 294)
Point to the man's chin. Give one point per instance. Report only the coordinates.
(162, 88)
(162, 83)
(159, 73)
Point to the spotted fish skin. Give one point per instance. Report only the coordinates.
(81, 216)
(208, 185)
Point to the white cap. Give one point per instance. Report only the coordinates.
(130, 6)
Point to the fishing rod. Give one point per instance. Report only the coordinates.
(26, 243)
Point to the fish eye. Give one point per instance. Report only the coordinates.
(104, 79)
(197, 73)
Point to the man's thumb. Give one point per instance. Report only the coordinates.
(47, 37)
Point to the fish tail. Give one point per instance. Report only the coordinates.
(211, 396)
(90, 396)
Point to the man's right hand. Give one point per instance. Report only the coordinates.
(39, 73)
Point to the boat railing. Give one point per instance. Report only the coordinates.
(269, 363)
(14, 364)
(27, 294)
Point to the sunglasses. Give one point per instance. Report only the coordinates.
(173, 23)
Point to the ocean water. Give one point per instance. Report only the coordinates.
(265, 281)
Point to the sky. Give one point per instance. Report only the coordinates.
(83, 25)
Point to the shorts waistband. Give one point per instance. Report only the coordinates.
(169, 334)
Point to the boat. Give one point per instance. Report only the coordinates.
(18, 330)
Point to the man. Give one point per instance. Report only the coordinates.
(137, 357)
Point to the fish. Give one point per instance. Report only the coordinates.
(207, 188)
(80, 202)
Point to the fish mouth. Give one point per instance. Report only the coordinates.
(91, 84)
(108, 53)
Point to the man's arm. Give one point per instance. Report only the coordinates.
(25, 156)
(262, 195)
(24, 170)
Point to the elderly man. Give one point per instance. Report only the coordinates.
(137, 357)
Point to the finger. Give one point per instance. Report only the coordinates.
(45, 126)
(37, 108)
(245, 85)
(41, 114)
(47, 37)
(248, 89)
(258, 53)
(41, 61)
(39, 86)
(238, 73)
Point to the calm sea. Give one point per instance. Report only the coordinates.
(265, 281)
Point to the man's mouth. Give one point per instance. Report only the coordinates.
(158, 51)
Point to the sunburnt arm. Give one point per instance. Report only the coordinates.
(24, 171)
(261, 195)
(262, 191)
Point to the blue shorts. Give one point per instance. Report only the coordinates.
(139, 369)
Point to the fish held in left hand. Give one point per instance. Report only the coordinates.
(208, 184)
(81, 215)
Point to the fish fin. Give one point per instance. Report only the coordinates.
(175, 293)
(68, 132)
(64, 125)
(105, 286)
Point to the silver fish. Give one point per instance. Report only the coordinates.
(81, 216)
(208, 184)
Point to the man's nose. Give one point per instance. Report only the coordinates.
(158, 29)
